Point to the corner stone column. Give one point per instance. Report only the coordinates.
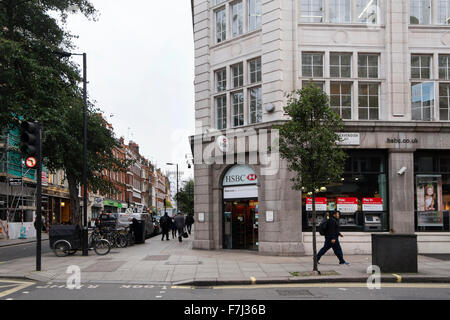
(204, 238)
(401, 191)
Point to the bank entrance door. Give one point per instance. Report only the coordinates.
(241, 224)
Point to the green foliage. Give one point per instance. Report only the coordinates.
(36, 84)
(308, 139)
(186, 198)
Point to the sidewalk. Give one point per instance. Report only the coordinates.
(174, 263)
(8, 243)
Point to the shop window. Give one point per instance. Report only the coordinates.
(432, 191)
(361, 196)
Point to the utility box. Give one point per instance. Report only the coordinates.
(395, 253)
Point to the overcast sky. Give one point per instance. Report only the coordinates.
(141, 71)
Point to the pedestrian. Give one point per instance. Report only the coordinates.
(189, 223)
(173, 227)
(180, 224)
(165, 223)
(332, 235)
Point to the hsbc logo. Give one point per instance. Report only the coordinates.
(252, 177)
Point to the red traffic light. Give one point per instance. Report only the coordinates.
(31, 162)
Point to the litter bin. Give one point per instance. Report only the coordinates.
(139, 231)
(395, 252)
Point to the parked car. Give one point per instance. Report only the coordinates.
(156, 226)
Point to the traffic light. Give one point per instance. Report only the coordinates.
(30, 139)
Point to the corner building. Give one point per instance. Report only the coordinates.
(385, 65)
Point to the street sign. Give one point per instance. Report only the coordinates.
(31, 162)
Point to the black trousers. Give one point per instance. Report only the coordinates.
(165, 232)
(336, 248)
(189, 228)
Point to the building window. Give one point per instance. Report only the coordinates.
(237, 19)
(221, 80)
(254, 14)
(422, 101)
(420, 12)
(318, 84)
(220, 1)
(368, 101)
(444, 67)
(420, 67)
(312, 11)
(221, 112)
(237, 106)
(255, 101)
(254, 67)
(341, 99)
(368, 66)
(221, 26)
(367, 11)
(443, 11)
(444, 101)
(312, 65)
(237, 71)
(340, 65)
(340, 11)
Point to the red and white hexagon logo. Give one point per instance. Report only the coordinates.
(252, 177)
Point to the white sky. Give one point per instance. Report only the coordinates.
(140, 64)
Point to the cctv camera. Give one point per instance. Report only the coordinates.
(401, 171)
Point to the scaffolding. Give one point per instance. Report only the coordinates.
(17, 183)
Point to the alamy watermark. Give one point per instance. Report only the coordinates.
(239, 146)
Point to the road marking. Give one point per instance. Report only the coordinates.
(21, 285)
(253, 280)
(399, 278)
(158, 297)
(327, 285)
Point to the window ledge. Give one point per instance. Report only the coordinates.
(232, 40)
(373, 27)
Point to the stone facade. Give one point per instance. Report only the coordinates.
(280, 41)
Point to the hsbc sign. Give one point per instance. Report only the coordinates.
(240, 175)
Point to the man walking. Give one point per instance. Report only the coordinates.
(332, 235)
(180, 224)
(189, 223)
(165, 223)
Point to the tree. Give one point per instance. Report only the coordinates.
(186, 197)
(36, 84)
(308, 141)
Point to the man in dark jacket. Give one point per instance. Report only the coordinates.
(189, 223)
(165, 223)
(332, 235)
(180, 224)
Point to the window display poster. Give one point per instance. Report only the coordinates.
(372, 204)
(429, 201)
(347, 205)
(321, 204)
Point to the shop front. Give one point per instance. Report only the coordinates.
(240, 208)
(111, 206)
(361, 196)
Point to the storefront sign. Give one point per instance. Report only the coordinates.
(429, 200)
(347, 205)
(349, 139)
(321, 204)
(222, 143)
(240, 192)
(240, 175)
(372, 204)
(112, 203)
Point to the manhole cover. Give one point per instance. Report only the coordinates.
(296, 293)
(156, 258)
(104, 266)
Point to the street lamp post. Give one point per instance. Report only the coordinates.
(85, 227)
(176, 197)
